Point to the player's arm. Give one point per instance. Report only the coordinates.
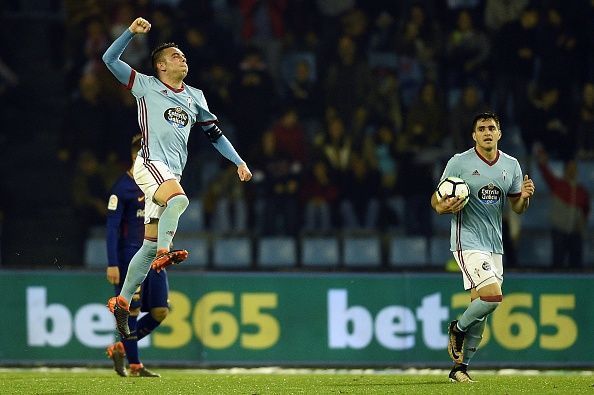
(224, 146)
(115, 211)
(120, 69)
(519, 203)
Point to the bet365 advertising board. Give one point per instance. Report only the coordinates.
(220, 319)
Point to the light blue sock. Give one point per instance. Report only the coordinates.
(140, 264)
(477, 310)
(169, 219)
(472, 339)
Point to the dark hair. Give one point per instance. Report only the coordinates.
(484, 116)
(156, 54)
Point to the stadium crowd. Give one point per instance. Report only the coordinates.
(344, 109)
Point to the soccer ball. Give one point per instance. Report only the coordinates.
(453, 186)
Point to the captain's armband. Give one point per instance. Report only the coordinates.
(213, 133)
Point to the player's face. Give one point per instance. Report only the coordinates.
(486, 134)
(175, 62)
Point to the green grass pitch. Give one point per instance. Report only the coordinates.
(180, 381)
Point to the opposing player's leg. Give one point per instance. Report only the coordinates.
(154, 299)
(171, 195)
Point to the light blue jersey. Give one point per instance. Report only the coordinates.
(478, 225)
(165, 114)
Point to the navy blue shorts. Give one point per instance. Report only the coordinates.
(154, 291)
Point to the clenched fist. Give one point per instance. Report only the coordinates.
(140, 26)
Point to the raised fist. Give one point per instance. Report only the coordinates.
(140, 26)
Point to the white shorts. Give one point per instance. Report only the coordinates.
(479, 268)
(149, 175)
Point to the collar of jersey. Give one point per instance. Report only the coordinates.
(172, 88)
(487, 161)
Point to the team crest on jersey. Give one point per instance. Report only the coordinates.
(112, 204)
(176, 117)
(504, 174)
(190, 101)
(489, 194)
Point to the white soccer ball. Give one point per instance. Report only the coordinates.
(453, 186)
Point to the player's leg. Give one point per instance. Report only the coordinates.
(481, 277)
(137, 270)
(155, 291)
(171, 195)
(474, 331)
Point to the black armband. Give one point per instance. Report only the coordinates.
(213, 133)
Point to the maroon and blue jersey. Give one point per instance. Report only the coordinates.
(125, 222)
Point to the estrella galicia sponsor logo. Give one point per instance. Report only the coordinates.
(486, 266)
(489, 194)
(177, 117)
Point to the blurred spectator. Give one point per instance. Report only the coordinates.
(254, 98)
(302, 91)
(336, 150)
(470, 104)
(420, 146)
(85, 125)
(467, 52)
(225, 206)
(387, 165)
(425, 123)
(359, 205)
(585, 123)
(502, 12)
(199, 50)
(410, 43)
(163, 28)
(276, 181)
(515, 51)
(9, 82)
(264, 27)
(217, 88)
(96, 43)
(559, 59)
(348, 83)
(89, 191)
(137, 52)
(546, 121)
(385, 99)
(320, 196)
(290, 136)
(569, 212)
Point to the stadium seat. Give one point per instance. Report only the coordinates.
(535, 250)
(362, 251)
(408, 251)
(96, 252)
(232, 252)
(276, 252)
(439, 251)
(320, 251)
(192, 220)
(198, 249)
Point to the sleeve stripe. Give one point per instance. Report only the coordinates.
(204, 123)
(131, 80)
